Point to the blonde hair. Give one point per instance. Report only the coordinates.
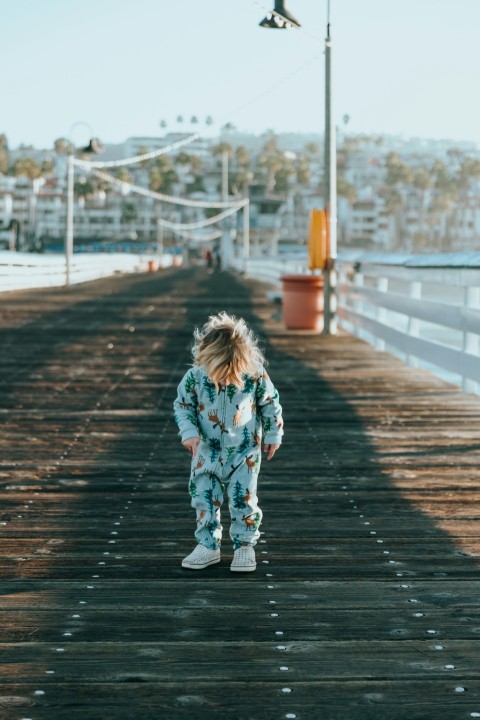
(228, 350)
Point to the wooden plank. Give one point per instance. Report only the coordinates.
(379, 700)
(306, 619)
(253, 661)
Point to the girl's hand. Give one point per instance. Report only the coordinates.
(271, 450)
(192, 445)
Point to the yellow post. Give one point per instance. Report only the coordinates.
(318, 240)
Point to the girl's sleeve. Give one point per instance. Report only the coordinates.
(268, 404)
(185, 407)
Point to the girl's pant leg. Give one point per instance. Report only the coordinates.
(206, 492)
(244, 510)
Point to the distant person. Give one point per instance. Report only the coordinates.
(217, 259)
(209, 259)
(226, 402)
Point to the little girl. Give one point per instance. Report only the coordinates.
(226, 402)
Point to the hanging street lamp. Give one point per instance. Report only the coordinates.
(279, 19)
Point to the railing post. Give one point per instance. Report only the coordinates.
(471, 341)
(69, 228)
(413, 327)
(246, 236)
(382, 286)
(358, 305)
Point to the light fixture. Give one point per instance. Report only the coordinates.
(280, 18)
(94, 147)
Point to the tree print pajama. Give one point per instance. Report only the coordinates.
(231, 425)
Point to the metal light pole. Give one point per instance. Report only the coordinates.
(330, 185)
(94, 147)
(225, 254)
(224, 175)
(69, 232)
(160, 239)
(246, 235)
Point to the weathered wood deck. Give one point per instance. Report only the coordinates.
(365, 601)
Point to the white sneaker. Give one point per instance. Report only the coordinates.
(201, 558)
(244, 559)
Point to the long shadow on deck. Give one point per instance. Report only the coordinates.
(34, 343)
(313, 534)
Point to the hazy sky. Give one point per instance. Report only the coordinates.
(400, 66)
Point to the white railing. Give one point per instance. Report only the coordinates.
(269, 270)
(19, 271)
(425, 309)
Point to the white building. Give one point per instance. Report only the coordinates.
(365, 222)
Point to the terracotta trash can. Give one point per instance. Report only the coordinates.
(152, 266)
(303, 302)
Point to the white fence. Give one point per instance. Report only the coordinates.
(424, 309)
(19, 271)
(269, 269)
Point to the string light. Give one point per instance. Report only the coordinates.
(199, 223)
(179, 228)
(198, 238)
(235, 204)
(137, 158)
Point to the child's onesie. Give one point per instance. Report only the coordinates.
(231, 424)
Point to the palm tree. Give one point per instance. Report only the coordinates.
(398, 172)
(238, 183)
(123, 175)
(162, 175)
(221, 147)
(271, 160)
(302, 171)
(84, 187)
(445, 195)
(394, 205)
(47, 167)
(422, 182)
(346, 189)
(242, 156)
(195, 164)
(183, 158)
(399, 175)
(312, 149)
(466, 177)
(62, 146)
(27, 167)
(284, 174)
(4, 155)
(143, 150)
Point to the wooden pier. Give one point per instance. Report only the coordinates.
(365, 602)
